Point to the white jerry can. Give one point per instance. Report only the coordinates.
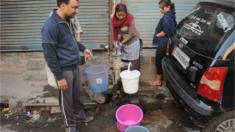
(51, 78)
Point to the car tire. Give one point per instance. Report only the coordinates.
(223, 123)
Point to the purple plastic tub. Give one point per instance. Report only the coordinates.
(128, 115)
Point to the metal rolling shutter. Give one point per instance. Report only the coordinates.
(21, 22)
(94, 20)
(147, 15)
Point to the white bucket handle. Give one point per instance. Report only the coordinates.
(129, 65)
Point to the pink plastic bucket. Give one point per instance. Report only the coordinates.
(128, 115)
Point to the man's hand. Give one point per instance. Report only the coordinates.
(88, 53)
(62, 84)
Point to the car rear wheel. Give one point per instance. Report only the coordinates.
(223, 123)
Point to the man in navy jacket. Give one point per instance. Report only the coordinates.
(61, 51)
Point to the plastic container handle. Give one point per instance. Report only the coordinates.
(129, 65)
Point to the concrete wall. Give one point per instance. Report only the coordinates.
(23, 74)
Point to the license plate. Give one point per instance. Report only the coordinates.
(181, 57)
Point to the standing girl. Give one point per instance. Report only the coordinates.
(163, 32)
(125, 33)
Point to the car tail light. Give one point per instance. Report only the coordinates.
(212, 82)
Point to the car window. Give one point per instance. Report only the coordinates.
(224, 21)
(205, 28)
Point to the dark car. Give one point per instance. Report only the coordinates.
(199, 69)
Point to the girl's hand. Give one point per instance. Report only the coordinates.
(161, 34)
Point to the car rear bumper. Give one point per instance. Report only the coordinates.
(177, 86)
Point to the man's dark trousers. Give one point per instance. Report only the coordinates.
(71, 99)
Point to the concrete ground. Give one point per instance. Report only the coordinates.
(160, 115)
(24, 82)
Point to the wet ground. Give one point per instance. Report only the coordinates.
(104, 122)
(160, 115)
(160, 112)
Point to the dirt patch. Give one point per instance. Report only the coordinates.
(22, 122)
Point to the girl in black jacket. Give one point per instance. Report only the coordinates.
(163, 32)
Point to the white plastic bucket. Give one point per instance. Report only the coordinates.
(130, 80)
